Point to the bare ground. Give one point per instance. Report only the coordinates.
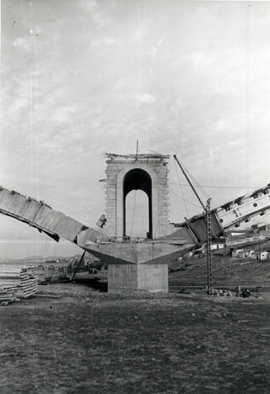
(90, 342)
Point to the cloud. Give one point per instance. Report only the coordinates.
(184, 79)
(95, 10)
(108, 41)
(146, 98)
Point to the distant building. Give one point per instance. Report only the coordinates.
(235, 253)
(245, 253)
(242, 254)
(265, 230)
(217, 245)
(260, 255)
(262, 228)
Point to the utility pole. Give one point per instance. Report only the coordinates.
(207, 210)
(209, 250)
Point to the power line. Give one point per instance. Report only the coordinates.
(198, 206)
(219, 187)
(196, 183)
(181, 189)
(187, 178)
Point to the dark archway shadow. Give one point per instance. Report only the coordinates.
(138, 179)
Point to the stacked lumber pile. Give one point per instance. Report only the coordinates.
(17, 282)
(7, 296)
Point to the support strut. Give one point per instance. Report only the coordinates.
(82, 257)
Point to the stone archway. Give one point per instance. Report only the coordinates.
(148, 173)
(138, 179)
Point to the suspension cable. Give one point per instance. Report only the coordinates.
(187, 178)
(196, 182)
(219, 187)
(133, 216)
(181, 189)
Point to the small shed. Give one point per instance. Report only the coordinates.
(259, 255)
(264, 255)
(249, 252)
(217, 245)
(235, 253)
(245, 253)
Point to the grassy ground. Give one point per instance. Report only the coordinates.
(89, 342)
(226, 272)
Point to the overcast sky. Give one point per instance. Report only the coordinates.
(84, 77)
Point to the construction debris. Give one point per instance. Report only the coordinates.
(246, 293)
(223, 293)
(17, 282)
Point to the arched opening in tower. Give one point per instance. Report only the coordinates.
(137, 179)
(137, 214)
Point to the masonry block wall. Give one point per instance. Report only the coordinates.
(130, 277)
(122, 277)
(117, 168)
(153, 277)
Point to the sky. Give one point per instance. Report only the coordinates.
(85, 77)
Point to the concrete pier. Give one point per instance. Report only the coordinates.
(130, 277)
(142, 266)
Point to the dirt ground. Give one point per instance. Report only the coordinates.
(91, 342)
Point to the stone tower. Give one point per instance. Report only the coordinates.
(146, 172)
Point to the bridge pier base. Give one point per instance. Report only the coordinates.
(137, 277)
